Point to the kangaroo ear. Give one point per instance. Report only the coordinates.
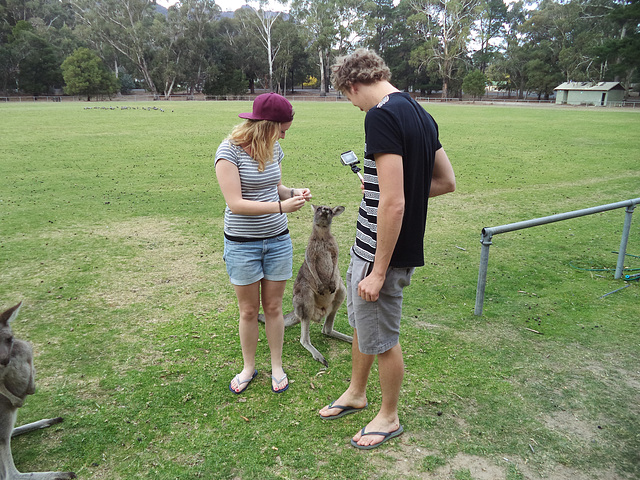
(314, 208)
(10, 315)
(338, 210)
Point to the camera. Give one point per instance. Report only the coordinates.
(348, 158)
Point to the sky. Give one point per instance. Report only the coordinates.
(230, 5)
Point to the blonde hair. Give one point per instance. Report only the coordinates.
(362, 66)
(259, 136)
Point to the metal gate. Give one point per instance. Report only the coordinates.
(488, 233)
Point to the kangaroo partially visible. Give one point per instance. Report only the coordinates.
(16, 382)
(318, 290)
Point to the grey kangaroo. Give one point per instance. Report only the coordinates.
(16, 382)
(318, 290)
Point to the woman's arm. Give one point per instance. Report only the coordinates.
(229, 181)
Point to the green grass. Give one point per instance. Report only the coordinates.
(111, 234)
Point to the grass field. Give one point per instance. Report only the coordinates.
(111, 235)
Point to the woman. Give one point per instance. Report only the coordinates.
(257, 247)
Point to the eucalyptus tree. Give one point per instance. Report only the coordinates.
(445, 26)
(550, 33)
(48, 14)
(261, 23)
(182, 44)
(509, 71)
(619, 55)
(198, 18)
(352, 17)
(321, 21)
(24, 10)
(381, 28)
(223, 75)
(31, 63)
(166, 66)
(490, 27)
(242, 48)
(387, 30)
(125, 25)
(32, 54)
(291, 66)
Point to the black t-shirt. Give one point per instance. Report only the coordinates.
(400, 126)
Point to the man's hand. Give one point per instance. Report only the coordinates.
(369, 287)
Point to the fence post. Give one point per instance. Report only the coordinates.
(622, 252)
(482, 272)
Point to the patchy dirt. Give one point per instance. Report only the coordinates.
(569, 425)
(166, 267)
(560, 472)
(410, 463)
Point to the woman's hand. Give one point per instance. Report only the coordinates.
(293, 204)
(304, 192)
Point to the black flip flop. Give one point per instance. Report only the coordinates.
(386, 435)
(345, 411)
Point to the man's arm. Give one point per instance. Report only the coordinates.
(443, 179)
(390, 213)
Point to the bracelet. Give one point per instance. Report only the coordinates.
(280, 206)
(292, 193)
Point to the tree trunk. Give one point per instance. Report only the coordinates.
(323, 92)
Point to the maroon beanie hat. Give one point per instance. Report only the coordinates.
(270, 106)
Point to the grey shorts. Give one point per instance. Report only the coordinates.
(377, 323)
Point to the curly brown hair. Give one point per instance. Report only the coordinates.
(362, 66)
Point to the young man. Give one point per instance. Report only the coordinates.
(404, 165)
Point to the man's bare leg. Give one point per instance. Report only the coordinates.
(391, 371)
(356, 394)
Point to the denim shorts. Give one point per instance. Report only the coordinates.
(377, 323)
(249, 262)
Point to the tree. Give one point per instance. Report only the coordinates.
(490, 25)
(225, 80)
(542, 77)
(31, 61)
(381, 25)
(619, 52)
(321, 18)
(126, 83)
(40, 69)
(475, 84)
(125, 25)
(509, 71)
(261, 23)
(293, 61)
(182, 38)
(85, 74)
(446, 27)
(232, 44)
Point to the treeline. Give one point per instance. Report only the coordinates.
(91, 47)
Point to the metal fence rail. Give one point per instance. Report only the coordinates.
(488, 233)
(299, 95)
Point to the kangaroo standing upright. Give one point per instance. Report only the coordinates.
(16, 382)
(318, 290)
